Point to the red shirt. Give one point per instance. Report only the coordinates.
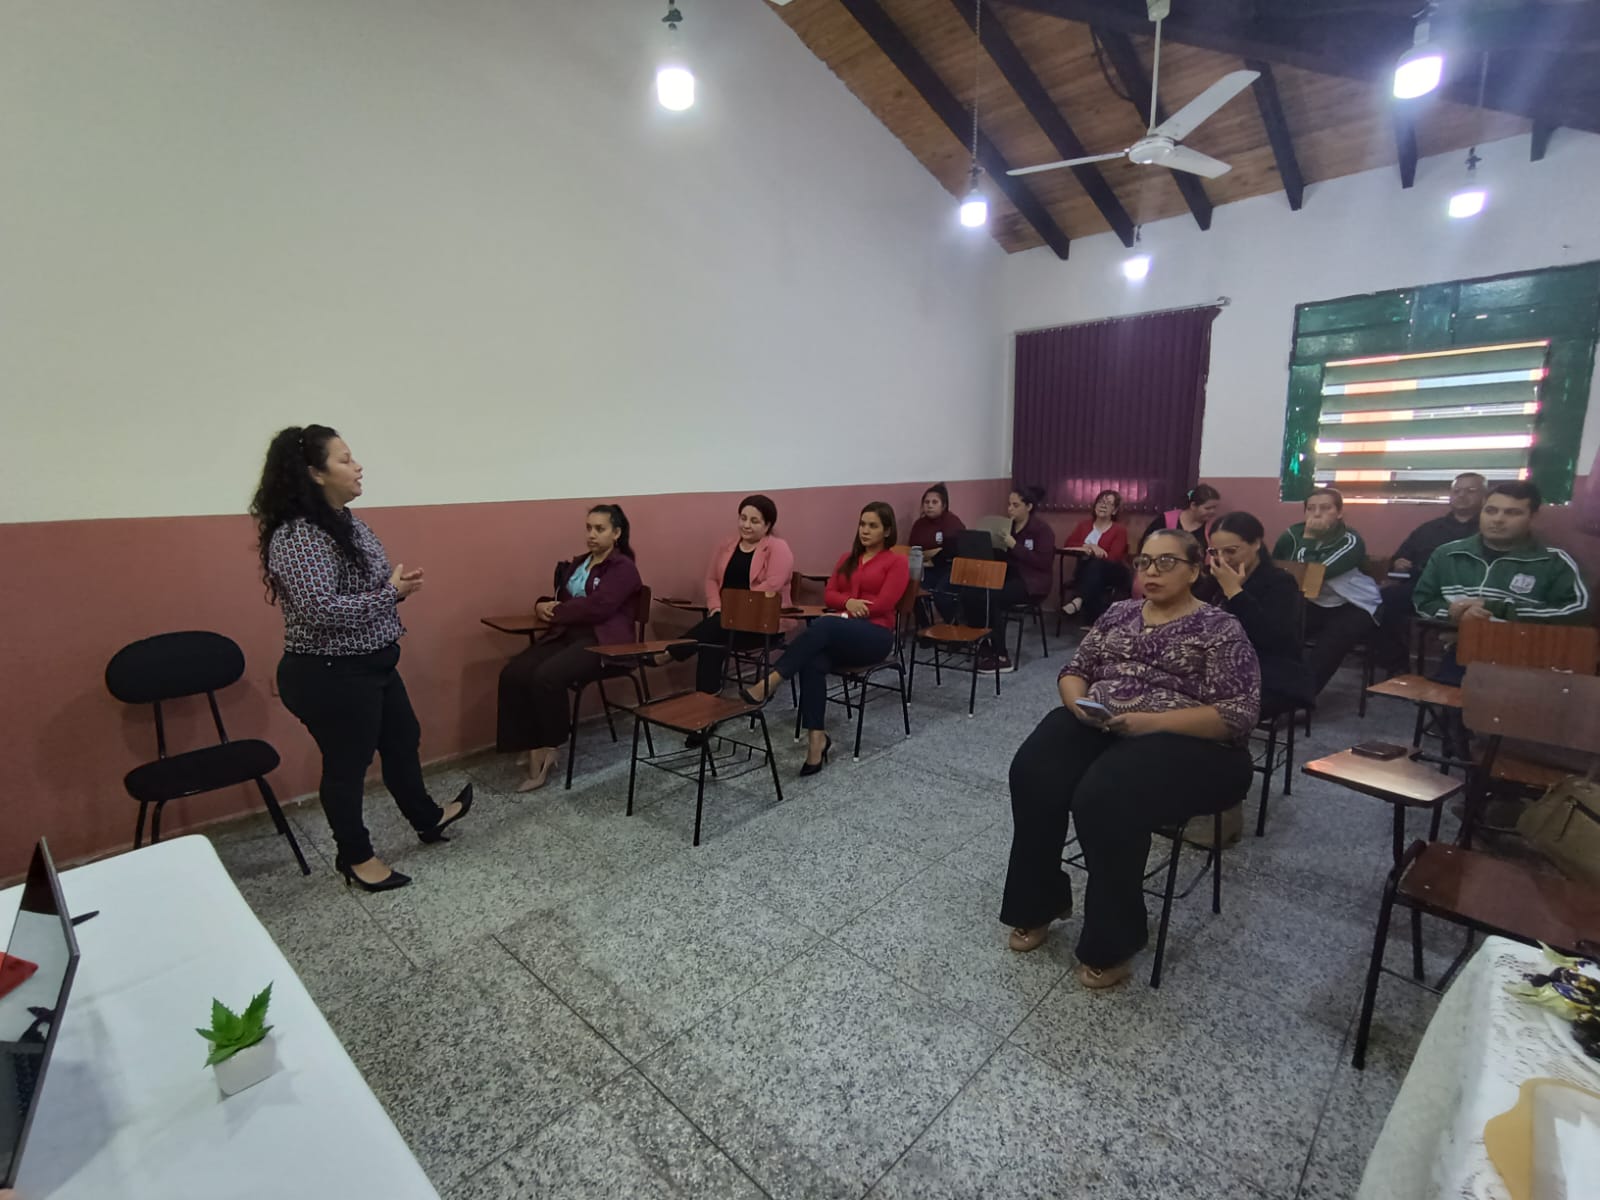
(1113, 541)
(881, 581)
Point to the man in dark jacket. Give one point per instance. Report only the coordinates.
(1467, 492)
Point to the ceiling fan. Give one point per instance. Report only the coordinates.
(1161, 146)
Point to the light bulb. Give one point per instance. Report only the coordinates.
(1420, 68)
(1467, 203)
(974, 209)
(675, 88)
(1136, 267)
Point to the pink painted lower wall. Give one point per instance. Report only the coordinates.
(77, 591)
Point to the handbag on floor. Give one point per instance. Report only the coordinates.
(1564, 826)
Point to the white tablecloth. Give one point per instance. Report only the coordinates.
(129, 1112)
(1480, 1047)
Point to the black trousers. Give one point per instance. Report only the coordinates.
(1334, 632)
(1094, 579)
(535, 710)
(1115, 790)
(356, 706)
(999, 604)
(711, 651)
(826, 643)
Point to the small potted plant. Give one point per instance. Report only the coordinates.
(242, 1053)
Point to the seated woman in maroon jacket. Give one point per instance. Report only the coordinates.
(935, 532)
(866, 586)
(1030, 558)
(596, 594)
(1103, 565)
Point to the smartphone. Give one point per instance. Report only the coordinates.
(1382, 751)
(1093, 711)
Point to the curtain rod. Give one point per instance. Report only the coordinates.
(1219, 302)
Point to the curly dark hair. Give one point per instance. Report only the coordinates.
(287, 491)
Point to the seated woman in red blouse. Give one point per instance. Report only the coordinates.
(596, 594)
(865, 587)
(1102, 566)
(1158, 703)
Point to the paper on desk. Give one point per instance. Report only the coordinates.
(1566, 1143)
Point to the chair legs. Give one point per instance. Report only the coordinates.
(138, 829)
(1268, 765)
(641, 692)
(1170, 892)
(282, 823)
(1380, 941)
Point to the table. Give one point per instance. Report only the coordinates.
(127, 1110)
(524, 623)
(1479, 1048)
(1397, 781)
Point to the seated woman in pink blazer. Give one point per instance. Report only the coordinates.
(752, 560)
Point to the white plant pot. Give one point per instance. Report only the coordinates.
(248, 1067)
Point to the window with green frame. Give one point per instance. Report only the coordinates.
(1394, 394)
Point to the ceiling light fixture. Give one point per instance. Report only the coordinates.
(1468, 201)
(674, 81)
(975, 205)
(1420, 68)
(1135, 267)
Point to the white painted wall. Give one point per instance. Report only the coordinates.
(1362, 233)
(462, 231)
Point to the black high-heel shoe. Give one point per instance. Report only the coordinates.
(748, 696)
(429, 837)
(813, 768)
(387, 884)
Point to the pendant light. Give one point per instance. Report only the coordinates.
(975, 205)
(1420, 68)
(674, 81)
(1468, 201)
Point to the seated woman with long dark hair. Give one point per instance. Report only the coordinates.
(1266, 600)
(1103, 565)
(1030, 554)
(596, 594)
(866, 586)
(752, 560)
(934, 531)
(1171, 690)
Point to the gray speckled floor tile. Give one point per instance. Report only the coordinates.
(941, 934)
(472, 1060)
(647, 956)
(1236, 1075)
(1357, 1107)
(917, 811)
(815, 1081)
(625, 1142)
(1022, 1129)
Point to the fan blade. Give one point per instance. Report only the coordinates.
(1181, 158)
(1066, 162)
(1188, 118)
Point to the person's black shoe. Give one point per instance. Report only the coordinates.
(387, 884)
(430, 836)
(812, 768)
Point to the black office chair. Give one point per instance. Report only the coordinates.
(171, 666)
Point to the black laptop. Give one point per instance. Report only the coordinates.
(41, 959)
(975, 543)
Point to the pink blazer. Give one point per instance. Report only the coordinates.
(771, 570)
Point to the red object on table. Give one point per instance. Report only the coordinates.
(13, 971)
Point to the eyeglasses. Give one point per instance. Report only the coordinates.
(1161, 562)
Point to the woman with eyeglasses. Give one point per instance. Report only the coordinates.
(1156, 706)
(1266, 600)
(1101, 568)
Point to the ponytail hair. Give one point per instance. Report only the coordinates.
(619, 522)
(940, 491)
(287, 492)
(1030, 494)
(1200, 493)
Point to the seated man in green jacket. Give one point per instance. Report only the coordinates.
(1502, 572)
(1346, 610)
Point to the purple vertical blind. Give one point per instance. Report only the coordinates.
(1113, 404)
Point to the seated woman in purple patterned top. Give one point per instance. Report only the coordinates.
(1171, 688)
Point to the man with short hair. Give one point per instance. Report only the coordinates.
(1346, 609)
(1503, 570)
(1467, 492)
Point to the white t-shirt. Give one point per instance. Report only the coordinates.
(1094, 537)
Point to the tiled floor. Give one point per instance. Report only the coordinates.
(818, 1001)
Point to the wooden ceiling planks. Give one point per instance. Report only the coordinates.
(1339, 126)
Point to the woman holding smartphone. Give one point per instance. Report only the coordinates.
(1156, 706)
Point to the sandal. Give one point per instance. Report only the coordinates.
(1023, 940)
(1071, 607)
(1097, 978)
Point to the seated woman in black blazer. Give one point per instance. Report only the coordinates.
(1266, 600)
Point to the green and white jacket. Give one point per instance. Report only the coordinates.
(1529, 582)
(1342, 552)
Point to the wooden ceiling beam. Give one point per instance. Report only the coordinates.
(1271, 106)
(1130, 70)
(1048, 116)
(880, 27)
(1543, 131)
(1405, 140)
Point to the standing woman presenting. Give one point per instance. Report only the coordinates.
(342, 630)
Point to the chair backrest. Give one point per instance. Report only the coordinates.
(1533, 704)
(1525, 644)
(978, 573)
(1308, 575)
(973, 543)
(171, 665)
(750, 612)
(902, 551)
(641, 613)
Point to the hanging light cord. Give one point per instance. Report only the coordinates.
(1483, 82)
(977, 65)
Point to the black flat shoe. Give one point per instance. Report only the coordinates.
(387, 884)
(436, 834)
(694, 741)
(813, 768)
